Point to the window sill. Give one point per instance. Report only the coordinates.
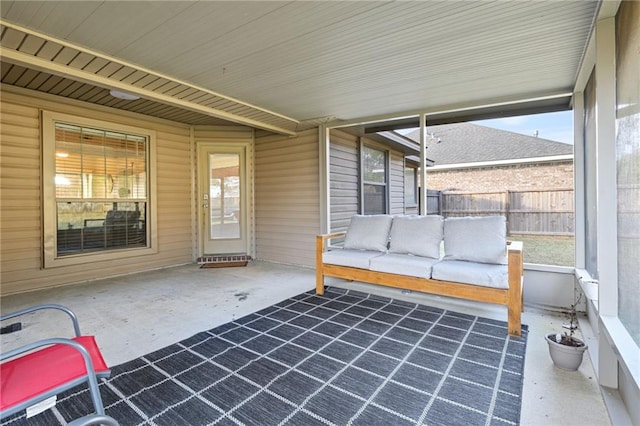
(89, 258)
(549, 268)
(588, 285)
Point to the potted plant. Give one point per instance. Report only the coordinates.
(565, 349)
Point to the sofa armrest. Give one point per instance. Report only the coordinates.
(325, 237)
(515, 246)
(320, 248)
(321, 240)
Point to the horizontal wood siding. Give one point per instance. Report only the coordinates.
(223, 133)
(344, 179)
(287, 198)
(21, 197)
(396, 183)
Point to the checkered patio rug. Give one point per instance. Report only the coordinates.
(338, 359)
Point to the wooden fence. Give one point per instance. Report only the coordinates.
(541, 212)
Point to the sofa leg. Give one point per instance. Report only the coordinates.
(515, 308)
(514, 320)
(319, 283)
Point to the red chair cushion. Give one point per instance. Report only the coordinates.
(37, 372)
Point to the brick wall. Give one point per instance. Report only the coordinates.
(501, 178)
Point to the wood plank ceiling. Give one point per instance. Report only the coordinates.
(286, 66)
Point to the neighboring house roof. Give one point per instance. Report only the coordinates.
(472, 143)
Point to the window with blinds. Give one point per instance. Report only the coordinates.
(96, 188)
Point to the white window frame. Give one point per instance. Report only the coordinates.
(615, 349)
(386, 177)
(51, 259)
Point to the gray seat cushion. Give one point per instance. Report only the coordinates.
(354, 258)
(481, 274)
(403, 264)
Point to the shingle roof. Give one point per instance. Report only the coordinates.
(469, 143)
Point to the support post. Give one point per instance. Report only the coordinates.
(423, 165)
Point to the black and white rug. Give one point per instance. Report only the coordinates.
(338, 359)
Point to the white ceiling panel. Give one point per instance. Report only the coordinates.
(312, 59)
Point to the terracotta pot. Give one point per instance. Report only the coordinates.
(565, 357)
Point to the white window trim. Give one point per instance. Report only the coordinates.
(614, 348)
(51, 260)
(386, 176)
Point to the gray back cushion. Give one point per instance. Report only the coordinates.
(368, 232)
(476, 239)
(417, 235)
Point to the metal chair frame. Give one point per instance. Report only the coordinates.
(90, 377)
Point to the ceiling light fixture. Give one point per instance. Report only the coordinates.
(123, 95)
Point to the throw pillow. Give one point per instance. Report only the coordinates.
(417, 235)
(476, 239)
(368, 232)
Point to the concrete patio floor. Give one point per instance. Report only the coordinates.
(136, 314)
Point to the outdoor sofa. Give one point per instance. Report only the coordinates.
(405, 252)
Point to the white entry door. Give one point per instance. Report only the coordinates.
(223, 198)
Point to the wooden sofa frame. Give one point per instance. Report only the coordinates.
(512, 297)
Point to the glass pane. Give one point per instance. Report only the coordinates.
(68, 181)
(374, 199)
(224, 196)
(85, 227)
(137, 158)
(628, 176)
(410, 187)
(93, 165)
(373, 164)
(590, 178)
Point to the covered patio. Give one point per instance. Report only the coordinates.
(140, 139)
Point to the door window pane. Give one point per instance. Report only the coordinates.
(224, 196)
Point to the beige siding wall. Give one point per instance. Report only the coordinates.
(396, 183)
(223, 134)
(20, 196)
(287, 198)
